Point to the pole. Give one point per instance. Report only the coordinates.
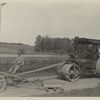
(1, 5)
(41, 69)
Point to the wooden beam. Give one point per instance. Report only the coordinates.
(41, 69)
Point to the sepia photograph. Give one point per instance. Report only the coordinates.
(49, 49)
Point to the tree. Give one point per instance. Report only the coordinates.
(47, 44)
(38, 43)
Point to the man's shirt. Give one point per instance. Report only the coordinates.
(19, 60)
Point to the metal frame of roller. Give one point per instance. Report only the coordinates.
(84, 60)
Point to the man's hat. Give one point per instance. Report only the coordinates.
(19, 52)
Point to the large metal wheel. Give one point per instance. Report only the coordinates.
(70, 72)
(60, 71)
(3, 83)
(73, 73)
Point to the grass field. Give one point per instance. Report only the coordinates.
(38, 60)
(33, 62)
(12, 48)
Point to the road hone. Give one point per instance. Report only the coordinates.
(31, 89)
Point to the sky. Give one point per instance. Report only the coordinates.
(22, 22)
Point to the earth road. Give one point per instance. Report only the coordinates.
(30, 89)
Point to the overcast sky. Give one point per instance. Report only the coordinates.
(22, 22)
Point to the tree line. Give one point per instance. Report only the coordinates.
(57, 45)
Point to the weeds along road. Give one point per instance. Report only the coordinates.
(31, 90)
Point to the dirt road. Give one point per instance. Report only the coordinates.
(31, 89)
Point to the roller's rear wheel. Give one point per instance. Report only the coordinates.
(73, 73)
(70, 72)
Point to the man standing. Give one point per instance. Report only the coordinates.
(19, 62)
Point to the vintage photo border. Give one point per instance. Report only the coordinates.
(50, 98)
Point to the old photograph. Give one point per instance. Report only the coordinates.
(49, 49)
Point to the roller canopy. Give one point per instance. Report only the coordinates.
(87, 41)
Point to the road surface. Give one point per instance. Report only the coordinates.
(35, 89)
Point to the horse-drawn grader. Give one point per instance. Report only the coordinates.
(83, 61)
